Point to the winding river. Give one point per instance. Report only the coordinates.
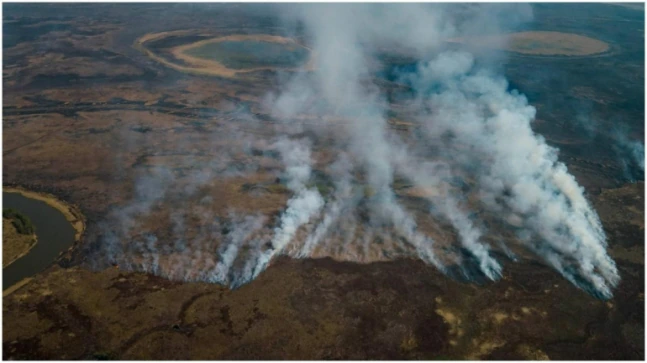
(55, 235)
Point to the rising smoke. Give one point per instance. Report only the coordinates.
(473, 132)
(630, 153)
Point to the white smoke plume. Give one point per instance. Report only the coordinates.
(472, 131)
(305, 204)
(522, 175)
(631, 154)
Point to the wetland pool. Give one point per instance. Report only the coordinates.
(55, 235)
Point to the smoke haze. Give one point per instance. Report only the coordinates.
(473, 162)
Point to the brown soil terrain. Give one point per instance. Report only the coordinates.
(321, 309)
(14, 244)
(85, 136)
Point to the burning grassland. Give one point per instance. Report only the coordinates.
(475, 170)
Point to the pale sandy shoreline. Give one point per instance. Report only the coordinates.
(210, 67)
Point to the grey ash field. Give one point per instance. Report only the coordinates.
(87, 107)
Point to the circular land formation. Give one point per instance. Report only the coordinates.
(225, 56)
(540, 43)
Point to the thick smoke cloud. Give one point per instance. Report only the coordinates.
(522, 176)
(474, 153)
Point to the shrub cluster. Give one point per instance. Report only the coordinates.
(20, 221)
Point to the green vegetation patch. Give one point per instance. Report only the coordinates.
(20, 221)
(252, 54)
